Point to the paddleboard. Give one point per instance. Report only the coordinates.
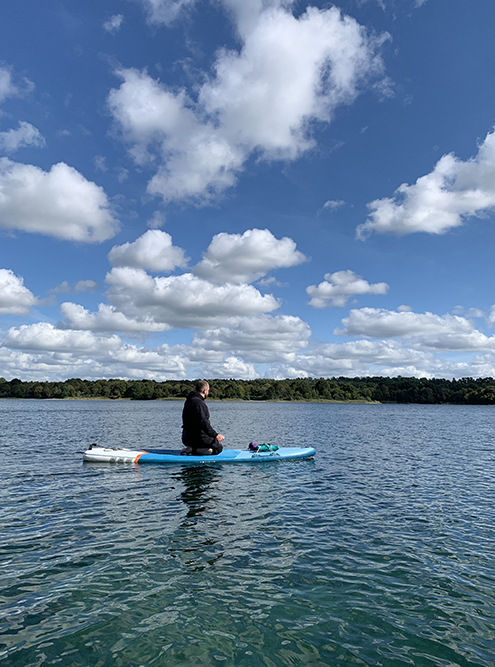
(109, 455)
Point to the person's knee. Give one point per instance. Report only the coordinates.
(217, 448)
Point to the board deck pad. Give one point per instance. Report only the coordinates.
(111, 455)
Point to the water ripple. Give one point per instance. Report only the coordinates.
(378, 552)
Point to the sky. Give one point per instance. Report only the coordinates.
(247, 188)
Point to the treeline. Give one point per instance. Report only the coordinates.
(363, 389)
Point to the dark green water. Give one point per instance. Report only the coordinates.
(381, 551)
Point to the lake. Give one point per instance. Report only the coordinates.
(380, 551)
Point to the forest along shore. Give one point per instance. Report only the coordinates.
(465, 391)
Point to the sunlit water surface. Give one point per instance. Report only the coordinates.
(380, 551)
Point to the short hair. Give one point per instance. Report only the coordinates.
(201, 385)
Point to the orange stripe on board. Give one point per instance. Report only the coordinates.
(139, 456)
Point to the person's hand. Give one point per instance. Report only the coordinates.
(220, 438)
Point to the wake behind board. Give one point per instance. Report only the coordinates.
(108, 455)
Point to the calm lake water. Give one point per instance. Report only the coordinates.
(380, 551)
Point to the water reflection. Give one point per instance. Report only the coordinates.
(195, 543)
(198, 481)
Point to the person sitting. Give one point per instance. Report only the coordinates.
(198, 436)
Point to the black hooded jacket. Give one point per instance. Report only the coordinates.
(196, 428)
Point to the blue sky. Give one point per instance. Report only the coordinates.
(247, 188)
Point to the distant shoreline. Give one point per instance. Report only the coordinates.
(361, 390)
(181, 398)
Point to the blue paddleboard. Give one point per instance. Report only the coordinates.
(109, 455)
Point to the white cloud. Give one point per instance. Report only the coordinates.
(197, 160)
(236, 258)
(475, 313)
(387, 358)
(245, 12)
(62, 288)
(15, 299)
(289, 73)
(114, 23)
(122, 174)
(80, 286)
(332, 205)
(231, 367)
(165, 11)
(183, 301)
(381, 323)
(100, 163)
(60, 203)
(153, 251)
(7, 87)
(159, 363)
(338, 287)
(258, 339)
(106, 319)
(10, 89)
(25, 135)
(157, 220)
(364, 358)
(85, 286)
(439, 201)
(42, 352)
(266, 282)
(44, 336)
(427, 331)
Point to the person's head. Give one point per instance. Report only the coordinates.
(203, 388)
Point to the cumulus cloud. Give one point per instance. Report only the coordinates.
(106, 319)
(236, 258)
(364, 358)
(42, 352)
(44, 336)
(60, 203)
(387, 358)
(114, 23)
(183, 301)
(258, 339)
(244, 12)
(441, 200)
(153, 251)
(338, 287)
(381, 323)
(289, 73)
(425, 330)
(231, 367)
(25, 135)
(15, 299)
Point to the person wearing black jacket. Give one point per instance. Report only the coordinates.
(198, 435)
